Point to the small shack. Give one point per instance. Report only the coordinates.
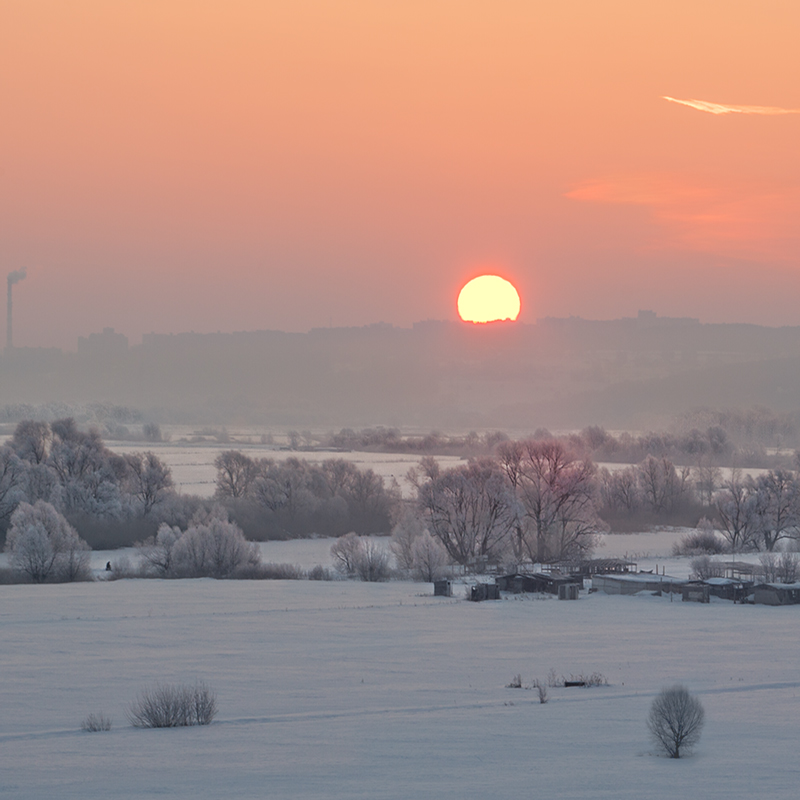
(568, 591)
(484, 591)
(637, 582)
(776, 594)
(546, 583)
(443, 588)
(696, 592)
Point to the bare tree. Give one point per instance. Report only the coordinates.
(404, 534)
(777, 494)
(149, 479)
(676, 720)
(372, 561)
(235, 474)
(738, 511)
(470, 509)
(345, 553)
(556, 490)
(619, 490)
(707, 479)
(663, 486)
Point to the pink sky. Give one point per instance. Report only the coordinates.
(172, 165)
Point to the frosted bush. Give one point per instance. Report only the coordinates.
(173, 706)
(43, 546)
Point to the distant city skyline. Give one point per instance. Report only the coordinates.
(240, 165)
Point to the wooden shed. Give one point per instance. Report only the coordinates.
(484, 591)
(637, 582)
(547, 583)
(443, 588)
(776, 594)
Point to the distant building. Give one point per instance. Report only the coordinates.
(107, 343)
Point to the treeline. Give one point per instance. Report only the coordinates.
(115, 500)
(757, 438)
(111, 499)
(539, 501)
(271, 499)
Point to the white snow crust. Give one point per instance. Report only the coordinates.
(352, 690)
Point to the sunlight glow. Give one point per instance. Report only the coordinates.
(488, 298)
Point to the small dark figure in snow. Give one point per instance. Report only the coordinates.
(108, 566)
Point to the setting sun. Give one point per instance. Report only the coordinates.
(488, 298)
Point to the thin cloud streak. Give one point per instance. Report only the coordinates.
(720, 108)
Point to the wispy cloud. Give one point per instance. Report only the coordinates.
(720, 108)
(737, 220)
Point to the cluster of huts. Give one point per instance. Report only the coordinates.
(616, 576)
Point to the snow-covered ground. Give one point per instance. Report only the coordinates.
(352, 690)
(194, 473)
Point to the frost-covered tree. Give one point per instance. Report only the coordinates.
(44, 546)
(738, 511)
(12, 482)
(157, 551)
(235, 474)
(31, 440)
(404, 534)
(556, 490)
(364, 558)
(215, 548)
(777, 498)
(663, 486)
(429, 559)
(470, 509)
(149, 480)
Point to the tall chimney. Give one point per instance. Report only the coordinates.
(13, 277)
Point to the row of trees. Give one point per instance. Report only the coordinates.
(78, 475)
(535, 501)
(538, 501)
(294, 497)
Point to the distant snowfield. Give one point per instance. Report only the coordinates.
(194, 473)
(352, 690)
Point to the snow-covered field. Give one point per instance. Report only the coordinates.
(194, 473)
(353, 690)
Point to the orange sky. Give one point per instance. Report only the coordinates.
(171, 165)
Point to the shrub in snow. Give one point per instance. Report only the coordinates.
(319, 573)
(270, 572)
(344, 552)
(96, 722)
(675, 720)
(516, 682)
(429, 559)
(541, 690)
(372, 562)
(704, 567)
(788, 567)
(703, 541)
(175, 706)
(361, 558)
(213, 548)
(43, 546)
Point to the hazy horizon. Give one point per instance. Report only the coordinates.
(177, 166)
